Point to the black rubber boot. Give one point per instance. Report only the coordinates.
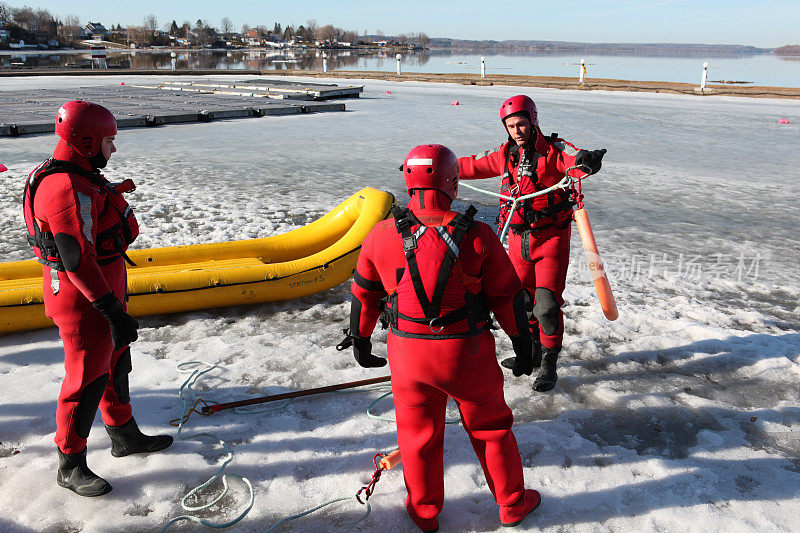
(74, 475)
(508, 362)
(547, 377)
(127, 439)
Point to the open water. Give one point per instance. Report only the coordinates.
(763, 69)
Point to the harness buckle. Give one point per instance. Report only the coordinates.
(409, 243)
(435, 321)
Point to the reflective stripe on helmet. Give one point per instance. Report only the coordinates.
(412, 162)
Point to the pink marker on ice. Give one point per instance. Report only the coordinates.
(783, 121)
(3, 168)
(454, 102)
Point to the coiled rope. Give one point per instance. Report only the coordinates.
(188, 398)
(190, 403)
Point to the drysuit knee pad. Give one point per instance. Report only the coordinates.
(120, 379)
(546, 310)
(87, 405)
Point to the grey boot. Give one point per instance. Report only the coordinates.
(127, 439)
(547, 377)
(74, 475)
(508, 362)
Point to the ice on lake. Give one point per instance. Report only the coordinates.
(681, 415)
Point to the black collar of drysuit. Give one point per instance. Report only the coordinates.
(59, 165)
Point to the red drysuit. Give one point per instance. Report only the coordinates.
(455, 358)
(539, 239)
(85, 226)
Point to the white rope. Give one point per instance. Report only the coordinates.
(565, 183)
(186, 391)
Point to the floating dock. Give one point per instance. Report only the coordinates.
(31, 112)
(274, 89)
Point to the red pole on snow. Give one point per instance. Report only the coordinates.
(211, 409)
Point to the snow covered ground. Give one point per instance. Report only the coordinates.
(683, 415)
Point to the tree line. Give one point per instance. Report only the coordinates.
(26, 22)
(788, 50)
(33, 25)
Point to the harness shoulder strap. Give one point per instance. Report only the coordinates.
(460, 224)
(55, 166)
(42, 240)
(403, 220)
(512, 152)
(472, 311)
(59, 165)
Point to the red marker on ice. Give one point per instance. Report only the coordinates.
(3, 168)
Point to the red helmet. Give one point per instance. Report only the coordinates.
(519, 104)
(84, 125)
(431, 166)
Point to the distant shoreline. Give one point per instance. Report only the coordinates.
(591, 84)
(544, 48)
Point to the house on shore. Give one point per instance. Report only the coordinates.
(97, 31)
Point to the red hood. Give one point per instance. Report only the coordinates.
(435, 210)
(65, 152)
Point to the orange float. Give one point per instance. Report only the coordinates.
(596, 268)
(390, 460)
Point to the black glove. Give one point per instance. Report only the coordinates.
(591, 160)
(362, 350)
(523, 351)
(123, 325)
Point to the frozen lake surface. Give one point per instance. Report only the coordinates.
(681, 415)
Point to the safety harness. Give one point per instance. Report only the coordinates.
(111, 242)
(557, 202)
(474, 310)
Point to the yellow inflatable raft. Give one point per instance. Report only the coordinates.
(305, 261)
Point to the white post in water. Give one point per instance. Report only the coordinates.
(398, 56)
(483, 66)
(705, 77)
(324, 62)
(582, 73)
(172, 55)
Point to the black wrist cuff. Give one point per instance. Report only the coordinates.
(108, 304)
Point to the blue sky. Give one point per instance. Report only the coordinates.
(765, 23)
